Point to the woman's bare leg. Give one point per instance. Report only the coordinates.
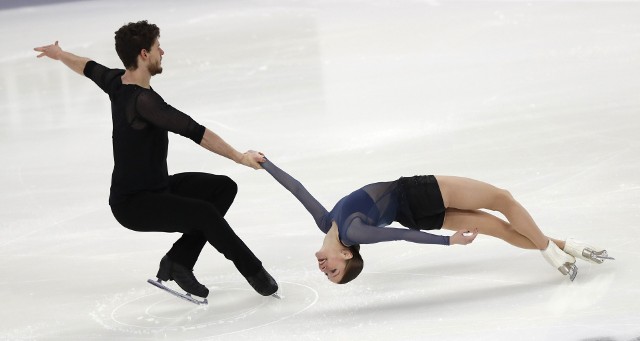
(461, 220)
(468, 194)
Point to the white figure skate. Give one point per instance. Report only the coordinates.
(562, 261)
(585, 251)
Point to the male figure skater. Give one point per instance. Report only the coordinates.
(143, 196)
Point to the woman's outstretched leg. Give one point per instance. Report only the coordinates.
(462, 220)
(469, 194)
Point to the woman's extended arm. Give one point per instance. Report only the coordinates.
(319, 213)
(359, 232)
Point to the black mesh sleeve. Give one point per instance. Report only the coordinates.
(319, 213)
(149, 105)
(361, 233)
(101, 75)
(152, 108)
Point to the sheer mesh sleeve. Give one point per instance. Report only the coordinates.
(101, 75)
(151, 107)
(319, 213)
(360, 233)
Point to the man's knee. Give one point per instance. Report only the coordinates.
(230, 188)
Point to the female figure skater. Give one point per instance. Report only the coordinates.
(425, 203)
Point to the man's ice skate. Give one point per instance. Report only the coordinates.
(264, 284)
(562, 261)
(158, 283)
(184, 277)
(585, 251)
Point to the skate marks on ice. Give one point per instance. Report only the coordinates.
(233, 307)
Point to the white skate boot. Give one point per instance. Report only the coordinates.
(585, 251)
(562, 261)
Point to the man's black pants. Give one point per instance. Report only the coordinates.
(195, 205)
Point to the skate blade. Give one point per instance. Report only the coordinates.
(569, 269)
(596, 256)
(277, 295)
(186, 297)
(573, 272)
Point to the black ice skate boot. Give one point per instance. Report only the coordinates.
(170, 270)
(263, 283)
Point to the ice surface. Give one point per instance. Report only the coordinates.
(541, 98)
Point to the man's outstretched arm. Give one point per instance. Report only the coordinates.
(216, 144)
(75, 63)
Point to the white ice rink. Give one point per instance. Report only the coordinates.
(541, 98)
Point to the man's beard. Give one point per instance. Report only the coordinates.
(154, 69)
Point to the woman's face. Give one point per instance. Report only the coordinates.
(332, 263)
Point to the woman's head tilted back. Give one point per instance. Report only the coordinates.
(132, 38)
(353, 266)
(340, 263)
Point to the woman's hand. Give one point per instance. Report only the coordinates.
(463, 237)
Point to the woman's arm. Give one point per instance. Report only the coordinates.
(319, 213)
(359, 232)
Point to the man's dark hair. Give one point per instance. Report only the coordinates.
(133, 38)
(354, 265)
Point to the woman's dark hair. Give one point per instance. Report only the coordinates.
(132, 38)
(353, 266)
